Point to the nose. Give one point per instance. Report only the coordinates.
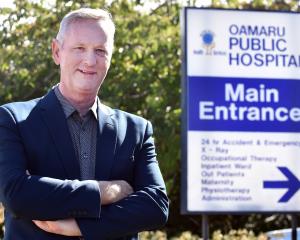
(90, 58)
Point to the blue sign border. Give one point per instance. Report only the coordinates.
(184, 116)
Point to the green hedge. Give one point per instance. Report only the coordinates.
(241, 234)
(1, 220)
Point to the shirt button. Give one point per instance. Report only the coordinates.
(85, 155)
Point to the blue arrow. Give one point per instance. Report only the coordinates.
(292, 184)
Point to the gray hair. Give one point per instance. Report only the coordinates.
(84, 14)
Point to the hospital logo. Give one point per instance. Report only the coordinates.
(208, 43)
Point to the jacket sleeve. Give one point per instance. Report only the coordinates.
(145, 209)
(37, 197)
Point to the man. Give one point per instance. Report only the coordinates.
(71, 167)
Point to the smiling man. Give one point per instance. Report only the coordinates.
(71, 167)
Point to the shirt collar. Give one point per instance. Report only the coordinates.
(94, 108)
(69, 109)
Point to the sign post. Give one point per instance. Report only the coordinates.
(205, 227)
(241, 111)
(294, 227)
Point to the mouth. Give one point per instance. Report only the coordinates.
(87, 72)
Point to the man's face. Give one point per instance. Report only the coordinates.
(84, 56)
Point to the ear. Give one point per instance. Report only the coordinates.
(55, 45)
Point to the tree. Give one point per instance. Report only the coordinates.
(144, 77)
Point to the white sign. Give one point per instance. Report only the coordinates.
(242, 111)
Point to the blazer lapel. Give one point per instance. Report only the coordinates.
(106, 143)
(56, 122)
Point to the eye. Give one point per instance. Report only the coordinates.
(79, 48)
(101, 51)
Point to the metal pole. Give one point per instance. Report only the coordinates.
(294, 227)
(205, 227)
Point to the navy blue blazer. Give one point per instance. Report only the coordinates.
(34, 136)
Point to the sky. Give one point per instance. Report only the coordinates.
(6, 3)
(148, 4)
